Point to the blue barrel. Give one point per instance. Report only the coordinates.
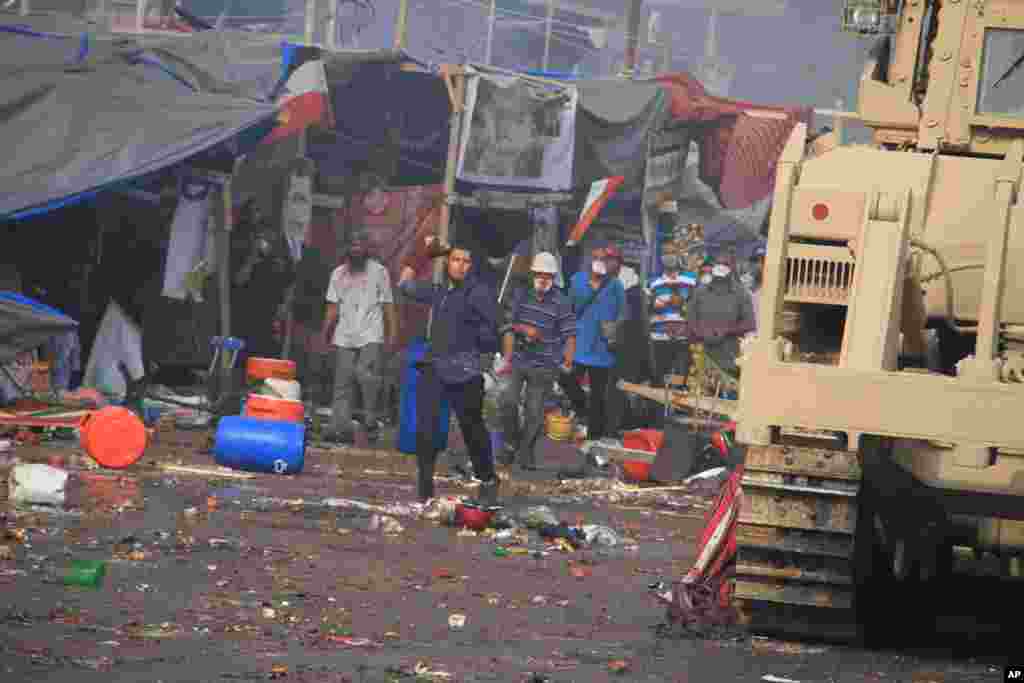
(254, 445)
(407, 409)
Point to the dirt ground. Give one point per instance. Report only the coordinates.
(215, 578)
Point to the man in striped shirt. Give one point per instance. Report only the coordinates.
(539, 341)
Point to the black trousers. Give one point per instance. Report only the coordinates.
(670, 355)
(467, 400)
(596, 409)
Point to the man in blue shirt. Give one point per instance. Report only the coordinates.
(598, 300)
(543, 326)
(464, 326)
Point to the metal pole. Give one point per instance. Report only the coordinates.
(26, 7)
(454, 134)
(331, 30)
(140, 15)
(491, 18)
(632, 36)
(547, 33)
(402, 26)
(224, 258)
(311, 8)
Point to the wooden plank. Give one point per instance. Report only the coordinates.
(794, 540)
(681, 400)
(811, 595)
(794, 511)
(813, 462)
(624, 454)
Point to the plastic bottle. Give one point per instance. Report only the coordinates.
(86, 573)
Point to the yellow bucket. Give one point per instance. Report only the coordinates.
(558, 426)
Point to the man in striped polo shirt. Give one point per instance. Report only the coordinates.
(670, 293)
(539, 341)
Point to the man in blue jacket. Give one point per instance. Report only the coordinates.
(598, 300)
(464, 327)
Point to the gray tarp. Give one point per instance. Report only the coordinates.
(80, 111)
(26, 323)
(613, 121)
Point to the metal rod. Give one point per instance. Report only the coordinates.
(311, 17)
(224, 259)
(26, 8)
(491, 19)
(547, 34)
(508, 275)
(140, 15)
(402, 26)
(632, 36)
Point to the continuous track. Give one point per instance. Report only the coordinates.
(796, 560)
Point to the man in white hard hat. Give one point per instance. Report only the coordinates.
(538, 343)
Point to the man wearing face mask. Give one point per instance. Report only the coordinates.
(719, 314)
(670, 292)
(539, 340)
(598, 301)
(463, 328)
(360, 317)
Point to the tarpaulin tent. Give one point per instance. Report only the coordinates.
(86, 110)
(26, 324)
(400, 110)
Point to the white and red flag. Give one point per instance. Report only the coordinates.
(600, 192)
(304, 102)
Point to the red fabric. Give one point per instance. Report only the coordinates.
(297, 114)
(738, 151)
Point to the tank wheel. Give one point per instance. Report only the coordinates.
(807, 541)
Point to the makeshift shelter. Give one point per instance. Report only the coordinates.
(88, 110)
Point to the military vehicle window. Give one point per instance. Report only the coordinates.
(1001, 92)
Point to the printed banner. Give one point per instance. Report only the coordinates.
(518, 134)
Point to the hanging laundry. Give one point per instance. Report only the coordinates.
(188, 237)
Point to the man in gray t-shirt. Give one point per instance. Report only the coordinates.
(360, 318)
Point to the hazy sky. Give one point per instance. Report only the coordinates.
(800, 57)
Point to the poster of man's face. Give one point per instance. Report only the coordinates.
(509, 131)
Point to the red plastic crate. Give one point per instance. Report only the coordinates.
(648, 440)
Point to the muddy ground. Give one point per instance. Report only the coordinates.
(218, 579)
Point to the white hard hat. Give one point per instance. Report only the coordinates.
(544, 262)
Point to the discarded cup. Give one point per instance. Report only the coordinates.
(87, 573)
(456, 622)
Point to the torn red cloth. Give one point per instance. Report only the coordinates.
(740, 142)
(704, 595)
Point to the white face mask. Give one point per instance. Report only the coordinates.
(721, 271)
(705, 279)
(599, 267)
(542, 285)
